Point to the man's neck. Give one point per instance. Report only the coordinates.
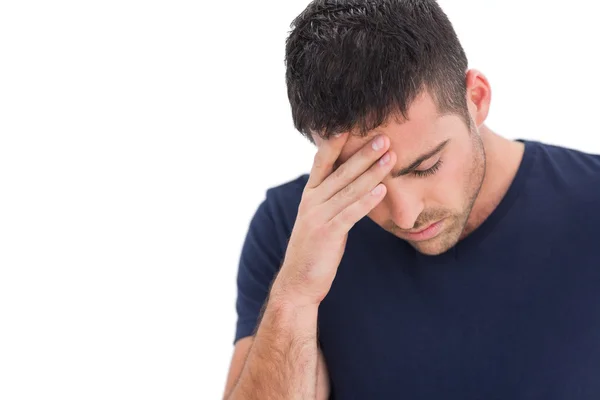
(503, 158)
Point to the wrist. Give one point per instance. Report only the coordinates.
(288, 316)
(292, 296)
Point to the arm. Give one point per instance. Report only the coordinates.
(282, 360)
(240, 354)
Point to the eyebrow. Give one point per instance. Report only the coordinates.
(419, 160)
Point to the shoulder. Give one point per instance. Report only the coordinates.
(568, 170)
(570, 176)
(573, 159)
(282, 202)
(290, 191)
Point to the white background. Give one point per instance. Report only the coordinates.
(136, 141)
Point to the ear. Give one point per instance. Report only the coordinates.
(479, 96)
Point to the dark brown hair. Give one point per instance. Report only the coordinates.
(352, 64)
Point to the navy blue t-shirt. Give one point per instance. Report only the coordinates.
(511, 312)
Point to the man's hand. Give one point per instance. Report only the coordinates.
(283, 360)
(332, 202)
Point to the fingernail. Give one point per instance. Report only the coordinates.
(383, 160)
(378, 143)
(378, 189)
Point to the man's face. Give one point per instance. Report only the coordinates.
(440, 190)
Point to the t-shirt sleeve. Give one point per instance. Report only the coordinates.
(261, 257)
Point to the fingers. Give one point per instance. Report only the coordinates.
(361, 186)
(345, 220)
(327, 153)
(344, 196)
(353, 168)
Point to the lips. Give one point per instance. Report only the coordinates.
(424, 234)
(423, 230)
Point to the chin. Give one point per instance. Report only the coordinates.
(437, 245)
(434, 248)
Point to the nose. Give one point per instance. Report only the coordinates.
(405, 207)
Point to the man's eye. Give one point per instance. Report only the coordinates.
(430, 171)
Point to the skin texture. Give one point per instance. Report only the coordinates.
(478, 166)
(468, 182)
(240, 352)
(283, 361)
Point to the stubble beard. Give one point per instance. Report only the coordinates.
(455, 226)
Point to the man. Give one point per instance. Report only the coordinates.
(424, 256)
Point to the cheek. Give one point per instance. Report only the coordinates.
(455, 171)
(447, 186)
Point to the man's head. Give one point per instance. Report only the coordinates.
(439, 170)
(395, 67)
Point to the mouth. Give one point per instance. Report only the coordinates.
(425, 234)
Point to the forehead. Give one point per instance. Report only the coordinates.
(424, 128)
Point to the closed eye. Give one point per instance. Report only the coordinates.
(429, 171)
